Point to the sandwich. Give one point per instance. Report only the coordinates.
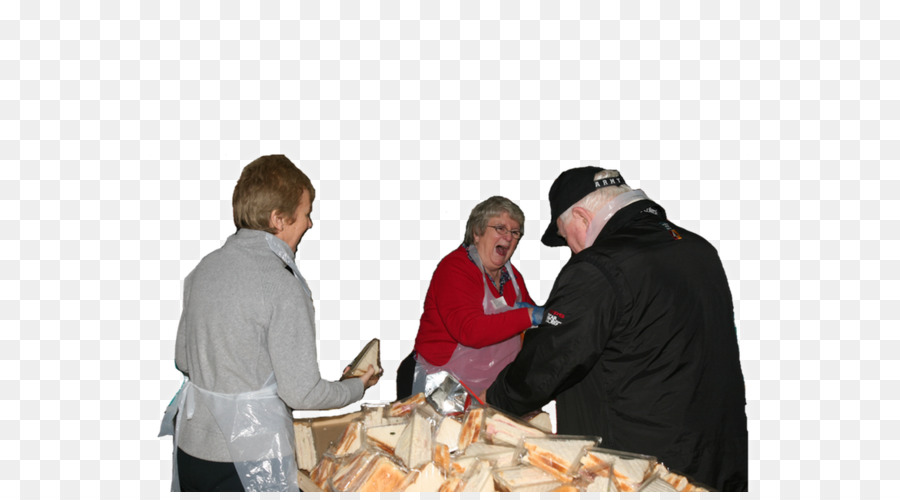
(501, 456)
(370, 355)
(460, 464)
(629, 470)
(385, 436)
(524, 478)
(442, 456)
(471, 428)
(499, 428)
(448, 432)
(451, 484)
(541, 421)
(414, 446)
(383, 475)
(658, 485)
(323, 471)
(349, 470)
(678, 483)
(424, 480)
(566, 488)
(350, 440)
(406, 406)
(594, 479)
(478, 478)
(556, 455)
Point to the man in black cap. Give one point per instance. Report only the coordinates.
(637, 343)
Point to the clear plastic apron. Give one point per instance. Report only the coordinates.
(258, 431)
(257, 426)
(476, 367)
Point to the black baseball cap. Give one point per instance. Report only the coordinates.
(570, 187)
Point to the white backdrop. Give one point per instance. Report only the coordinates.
(766, 127)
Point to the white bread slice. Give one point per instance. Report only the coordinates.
(448, 432)
(476, 449)
(658, 485)
(349, 469)
(450, 484)
(471, 428)
(461, 463)
(369, 355)
(478, 478)
(406, 406)
(323, 470)
(542, 421)
(501, 456)
(499, 428)
(415, 446)
(628, 471)
(442, 456)
(554, 455)
(385, 436)
(566, 488)
(427, 479)
(525, 478)
(598, 483)
(383, 475)
(350, 440)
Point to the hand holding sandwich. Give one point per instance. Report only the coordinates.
(367, 378)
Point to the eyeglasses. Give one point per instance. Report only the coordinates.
(503, 231)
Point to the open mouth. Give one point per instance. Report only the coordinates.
(501, 250)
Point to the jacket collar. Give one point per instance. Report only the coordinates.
(629, 213)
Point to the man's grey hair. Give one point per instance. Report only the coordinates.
(494, 206)
(598, 197)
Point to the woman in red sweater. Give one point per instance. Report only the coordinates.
(477, 303)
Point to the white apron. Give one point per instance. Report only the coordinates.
(257, 425)
(477, 368)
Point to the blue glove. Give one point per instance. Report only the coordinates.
(537, 315)
(519, 305)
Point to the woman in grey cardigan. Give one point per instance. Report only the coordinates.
(246, 344)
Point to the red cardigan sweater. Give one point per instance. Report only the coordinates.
(454, 312)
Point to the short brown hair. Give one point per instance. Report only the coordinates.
(268, 183)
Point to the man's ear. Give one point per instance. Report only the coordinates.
(276, 222)
(583, 215)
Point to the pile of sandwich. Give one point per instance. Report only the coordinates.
(409, 446)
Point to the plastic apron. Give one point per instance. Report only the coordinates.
(476, 367)
(257, 425)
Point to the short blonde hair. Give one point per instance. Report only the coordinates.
(268, 183)
(598, 197)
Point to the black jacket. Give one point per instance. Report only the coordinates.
(638, 346)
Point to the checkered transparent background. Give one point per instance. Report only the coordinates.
(769, 128)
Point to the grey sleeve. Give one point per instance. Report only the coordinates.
(180, 340)
(292, 349)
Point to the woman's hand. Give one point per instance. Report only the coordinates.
(368, 379)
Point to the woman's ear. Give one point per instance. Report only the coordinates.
(276, 222)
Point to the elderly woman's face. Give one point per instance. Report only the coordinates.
(496, 249)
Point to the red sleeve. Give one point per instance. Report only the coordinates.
(459, 292)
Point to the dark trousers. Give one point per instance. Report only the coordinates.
(405, 376)
(196, 474)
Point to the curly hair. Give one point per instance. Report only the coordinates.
(491, 207)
